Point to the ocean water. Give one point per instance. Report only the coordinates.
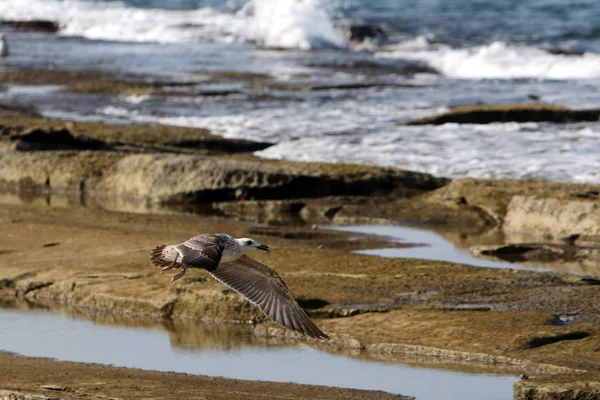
(484, 51)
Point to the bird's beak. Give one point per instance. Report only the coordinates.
(265, 248)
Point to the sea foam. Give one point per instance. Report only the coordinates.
(497, 60)
(327, 134)
(120, 22)
(300, 24)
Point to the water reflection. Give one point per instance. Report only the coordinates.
(454, 247)
(225, 350)
(41, 198)
(433, 246)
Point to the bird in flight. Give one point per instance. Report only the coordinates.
(224, 258)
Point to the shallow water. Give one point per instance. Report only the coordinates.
(228, 351)
(431, 246)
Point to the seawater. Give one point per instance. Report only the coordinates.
(492, 52)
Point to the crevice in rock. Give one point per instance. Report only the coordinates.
(330, 213)
(7, 283)
(167, 309)
(226, 146)
(546, 340)
(33, 286)
(312, 304)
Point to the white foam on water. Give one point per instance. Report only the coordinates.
(497, 60)
(495, 151)
(365, 133)
(345, 119)
(135, 98)
(301, 24)
(120, 22)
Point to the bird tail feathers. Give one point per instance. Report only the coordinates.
(164, 255)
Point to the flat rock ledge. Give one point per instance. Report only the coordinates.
(486, 114)
(182, 178)
(43, 135)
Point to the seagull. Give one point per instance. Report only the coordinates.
(223, 258)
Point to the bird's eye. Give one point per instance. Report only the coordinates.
(248, 242)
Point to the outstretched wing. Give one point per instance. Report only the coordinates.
(201, 251)
(262, 286)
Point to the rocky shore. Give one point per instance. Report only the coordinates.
(387, 307)
(45, 379)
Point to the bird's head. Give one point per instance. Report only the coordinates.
(251, 244)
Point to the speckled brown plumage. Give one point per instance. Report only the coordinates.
(223, 258)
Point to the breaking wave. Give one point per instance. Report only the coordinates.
(497, 60)
(301, 24)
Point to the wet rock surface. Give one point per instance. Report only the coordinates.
(55, 139)
(358, 32)
(565, 52)
(97, 82)
(379, 67)
(36, 25)
(68, 380)
(486, 114)
(270, 84)
(528, 251)
(581, 258)
(17, 110)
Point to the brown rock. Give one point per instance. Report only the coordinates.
(183, 178)
(524, 251)
(552, 216)
(20, 378)
(357, 32)
(35, 25)
(55, 171)
(55, 139)
(177, 178)
(486, 114)
(225, 146)
(562, 387)
(565, 52)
